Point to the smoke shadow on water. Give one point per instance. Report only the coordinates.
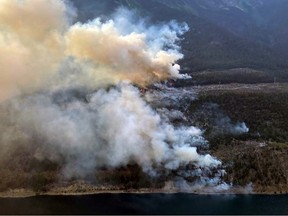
(180, 203)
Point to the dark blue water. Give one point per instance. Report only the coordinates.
(147, 204)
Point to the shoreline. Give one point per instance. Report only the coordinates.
(25, 193)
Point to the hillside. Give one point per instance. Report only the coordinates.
(113, 111)
(259, 156)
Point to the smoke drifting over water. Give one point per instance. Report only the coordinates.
(54, 68)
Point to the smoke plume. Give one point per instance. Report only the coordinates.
(112, 128)
(37, 39)
(69, 93)
(219, 123)
(31, 43)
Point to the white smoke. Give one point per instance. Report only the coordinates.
(240, 128)
(220, 122)
(110, 126)
(205, 183)
(225, 125)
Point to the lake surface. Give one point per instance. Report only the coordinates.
(147, 204)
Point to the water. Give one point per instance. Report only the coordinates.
(147, 204)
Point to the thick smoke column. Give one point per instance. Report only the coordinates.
(112, 128)
(55, 67)
(123, 50)
(37, 40)
(31, 43)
